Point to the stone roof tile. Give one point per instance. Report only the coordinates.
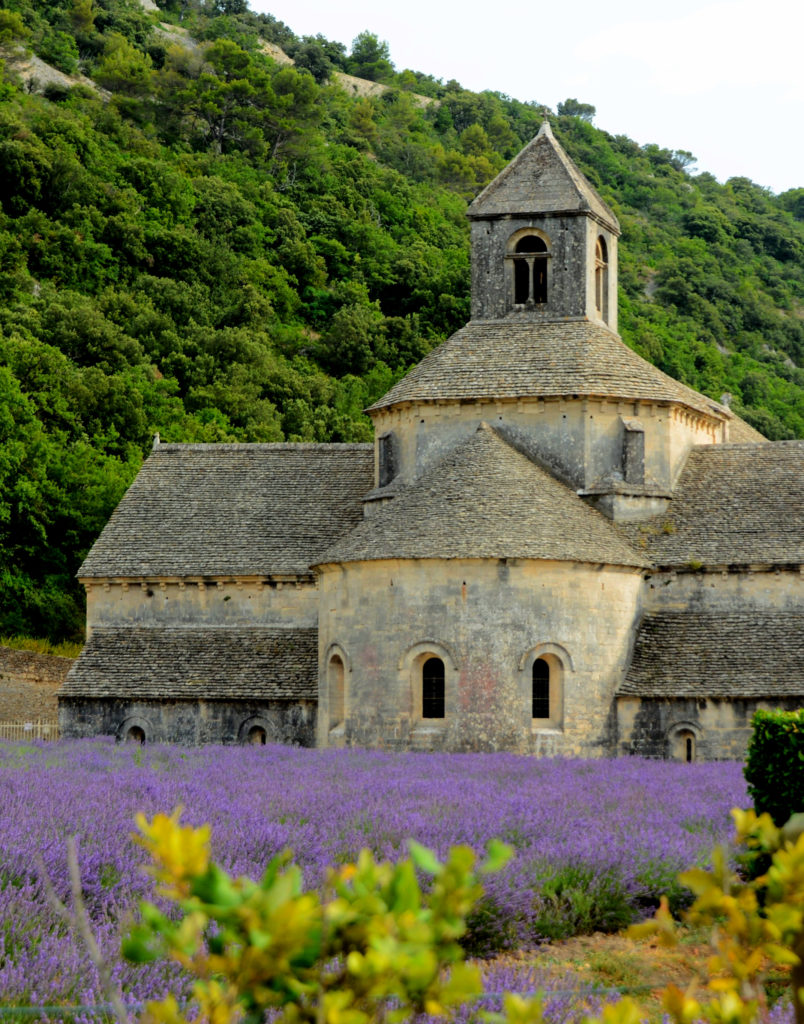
(734, 504)
(741, 432)
(486, 500)
(233, 509)
(212, 662)
(541, 179)
(752, 653)
(518, 357)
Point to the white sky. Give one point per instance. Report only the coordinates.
(722, 79)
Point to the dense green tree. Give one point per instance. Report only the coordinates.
(370, 58)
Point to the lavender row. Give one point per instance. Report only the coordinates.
(596, 842)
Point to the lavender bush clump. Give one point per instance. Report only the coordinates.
(595, 841)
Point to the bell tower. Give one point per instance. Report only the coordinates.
(544, 244)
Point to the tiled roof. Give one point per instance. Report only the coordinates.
(485, 500)
(541, 179)
(233, 509)
(518, 357)
(202, 662)
(715, 654)
(741, 432)
(735, 504)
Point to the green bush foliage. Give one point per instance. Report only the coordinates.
(224, 248)
(254, 947)
(380, 946)
(774, 766)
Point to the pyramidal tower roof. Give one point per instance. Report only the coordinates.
(541, 179)
(485, 499)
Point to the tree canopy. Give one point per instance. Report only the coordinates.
(220, 246)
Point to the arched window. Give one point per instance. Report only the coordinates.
(529, 260)
(602, 279)
(683, 742)
(433, 688)
(257, 736)
(136, 734)
(541, 688)
(336, 686)
(543, 668)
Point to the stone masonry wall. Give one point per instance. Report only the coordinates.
(190, 722)
(719, 729)
(29, 683)
(487, 621)
(193, 603)
(581, 439)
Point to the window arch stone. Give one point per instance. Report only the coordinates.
(135, 729)
(257, 729)
(544, 668)
(336, 691)
(413, 662)
(684, 741)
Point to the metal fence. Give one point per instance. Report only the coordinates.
(38, 730)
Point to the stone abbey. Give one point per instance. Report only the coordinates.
(551, 547)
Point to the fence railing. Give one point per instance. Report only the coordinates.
(38, 730)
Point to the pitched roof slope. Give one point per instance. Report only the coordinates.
(485, 500)
(517, 358)
(741, 432)
(541, 179)
(233, 509)
(734, 504)
(190, 663)
(692, 654)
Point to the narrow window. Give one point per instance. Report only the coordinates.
(633, 451)
(602, 279)
(682, 745)
(433, 688)
(387, 454)
(256, 735)
(541, 689)
(335, 675)
(530, 271)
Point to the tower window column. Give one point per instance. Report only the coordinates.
(529, 260)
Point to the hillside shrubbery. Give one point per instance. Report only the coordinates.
(228, 249)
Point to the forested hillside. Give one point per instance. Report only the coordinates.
(219, 247)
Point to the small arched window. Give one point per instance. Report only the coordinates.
(683, 742)
(433, 688)
(529, 259)
(336, 686)
(257, 736)
(136, 734)
(541, 688)
(602, 279)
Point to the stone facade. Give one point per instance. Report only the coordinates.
(192, 721)
(552, 547)
(488, 620)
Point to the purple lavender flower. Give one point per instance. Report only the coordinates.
(590, 838)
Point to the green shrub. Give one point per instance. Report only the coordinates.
(775, 764)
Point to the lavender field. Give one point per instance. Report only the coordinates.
(596, 842)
